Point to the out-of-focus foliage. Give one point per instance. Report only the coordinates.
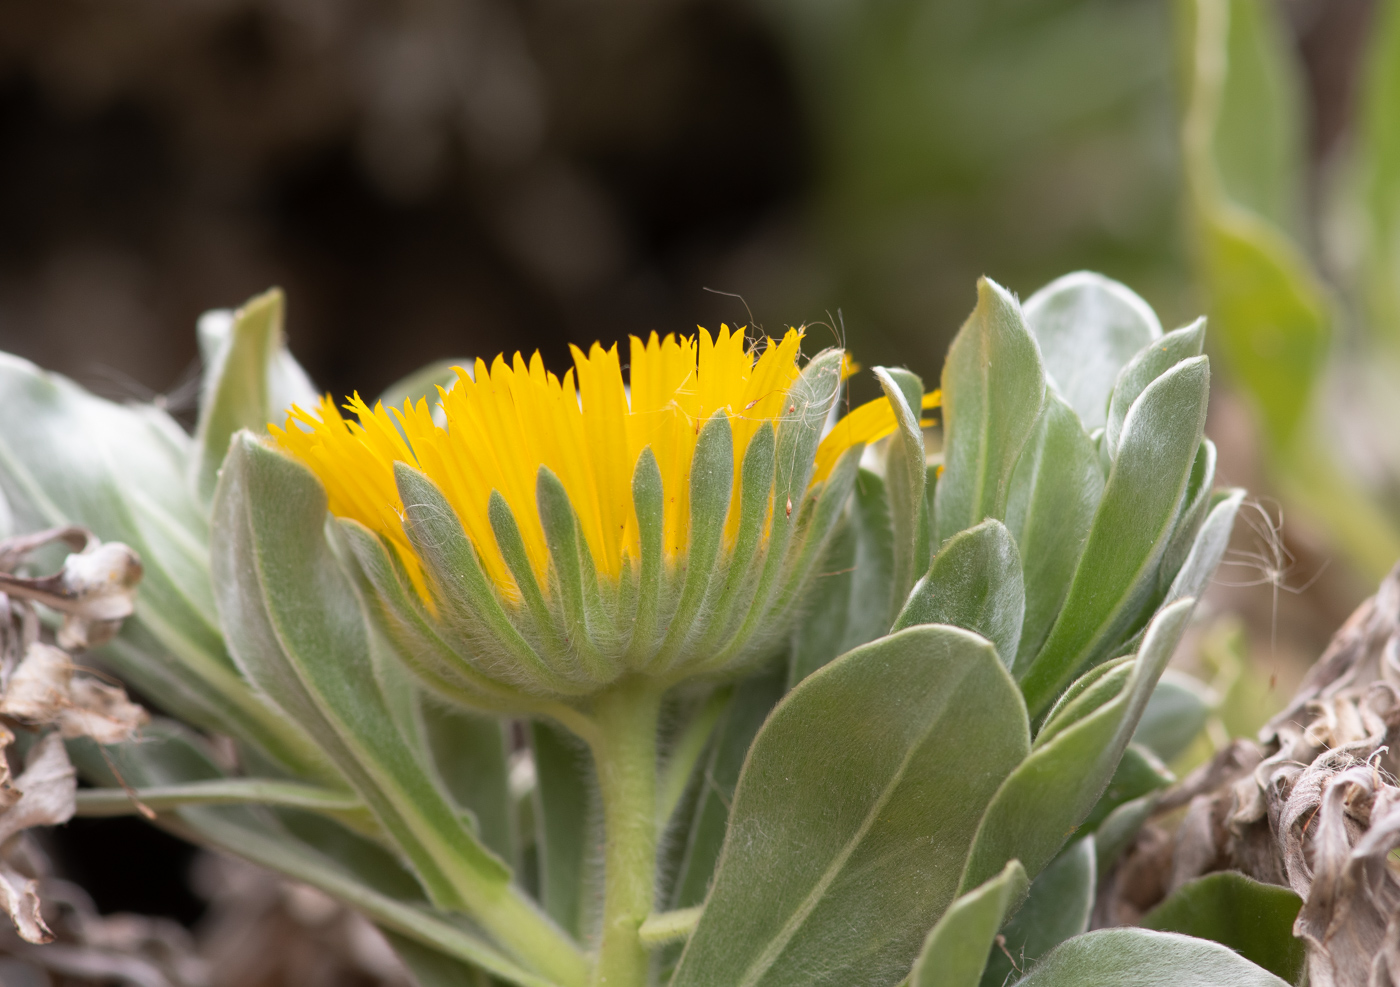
(1021, 137)
(1316, 357)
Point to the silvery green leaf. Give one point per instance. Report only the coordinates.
(955, 950)
(1145, 959)
(298, 629)
(469, 752)
(1195, 501)
(1050, 793)
(810, 400)
(1143, 369)
(249, 380)
(820, 631)
(67, 457)
(1253, 919)
(1139, 773)
(1055, 491)
(1057, 907)
(566, 826)
(1117, 572)
(704, 831)
(1119, 828)
(993, 387)
(828, 841)
(468, 603)
(711, 481)
(850, 601)
(1088, 326)
(574, 579)
(1209, 547)
(974, 583)
(1177, 711)
(905, 474)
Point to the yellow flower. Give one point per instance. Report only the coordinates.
(505, 425)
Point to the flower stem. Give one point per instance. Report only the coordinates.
(625, 753)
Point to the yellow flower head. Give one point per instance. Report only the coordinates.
(501, 427)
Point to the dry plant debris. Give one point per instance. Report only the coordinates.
(1313, 805)
(48, 698)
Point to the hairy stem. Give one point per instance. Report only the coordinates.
(625, 753)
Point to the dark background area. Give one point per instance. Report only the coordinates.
(447, 178)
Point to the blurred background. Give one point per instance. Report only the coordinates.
(448, 178)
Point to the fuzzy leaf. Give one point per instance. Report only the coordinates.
(296, 627)
(1195, 503)
(249, 380)
(67, 457)
(310, 850)
(956, 948)
(704, 835)
(905, 473)
(1177, 711)
(1139, 773)
(1049, 795)
(1054, 492)
(818, 636)
(1143, 369)
(1057, 908)
(1253, 919)
(975, 583)
(1088, 326)
(563, 833)
(1209, 547)
(832, 843)
(810, 400)
(993, 387)
(1117, 574)
(1113, 957)
(872, 581)
(469, 752)
(465, 595)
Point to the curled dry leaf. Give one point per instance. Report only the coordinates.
(39, 686)
(1314, 806)
(47, 796)
(100, 711)
(44, 690)
(95, 590)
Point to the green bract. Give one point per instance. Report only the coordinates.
(900, 737)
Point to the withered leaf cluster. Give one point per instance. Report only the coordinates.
(1313, 805)
(47, 698)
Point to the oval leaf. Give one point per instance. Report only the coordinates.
(1088, 327)
(840, 856)
(1253, 919)
(1050, 794)
(1054, 492)
(975, 583)
(1114, 957)
(905, 472)
(993, 386)
(1145, 367)
(1118, 571)
(956, 948)
(1057, 908)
